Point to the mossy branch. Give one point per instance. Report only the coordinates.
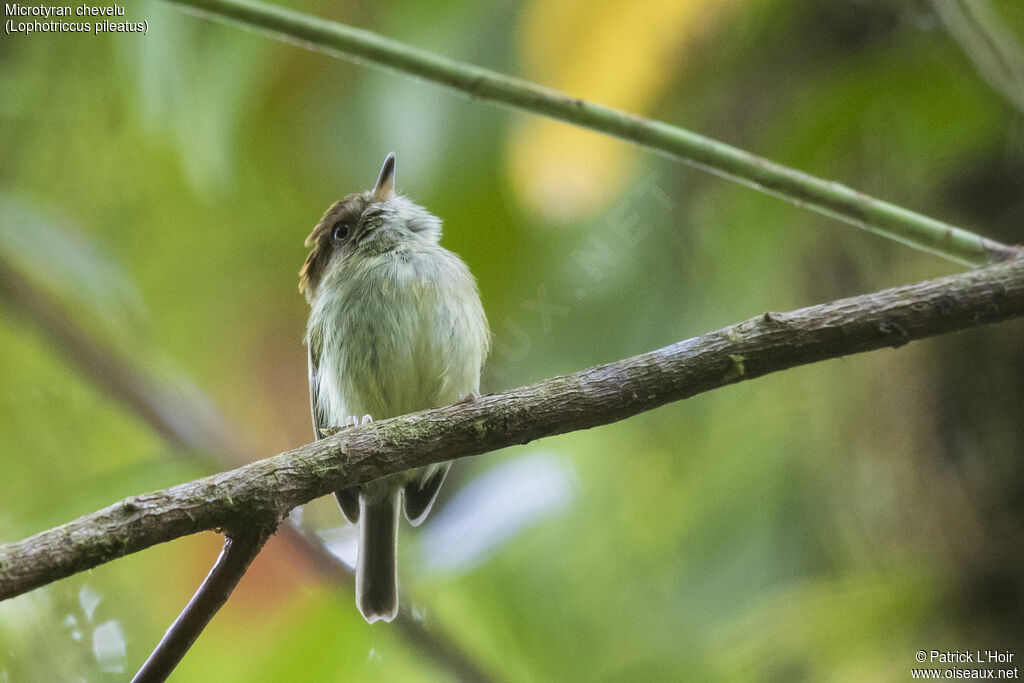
(828, 198)
(263, 492)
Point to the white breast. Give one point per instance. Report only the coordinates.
(401, 331)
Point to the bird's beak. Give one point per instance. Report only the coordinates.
(385, 186)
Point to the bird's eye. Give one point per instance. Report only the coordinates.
(340, 231)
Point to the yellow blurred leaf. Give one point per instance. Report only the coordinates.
(619, 54)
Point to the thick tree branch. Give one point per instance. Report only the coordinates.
(268, 489)
(828, 198)
(238, 553)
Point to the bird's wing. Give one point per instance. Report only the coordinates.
(420, 494)
(348, 498)
(318, 422)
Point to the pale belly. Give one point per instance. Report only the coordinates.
(403, 334)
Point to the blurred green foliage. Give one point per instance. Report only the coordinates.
(820, 524)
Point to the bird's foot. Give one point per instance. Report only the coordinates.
(350, 421)
(471, 398)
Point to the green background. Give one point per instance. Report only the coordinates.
(824, 523)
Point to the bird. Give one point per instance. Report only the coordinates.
(395, 326)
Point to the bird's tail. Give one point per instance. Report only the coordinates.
(376, 578)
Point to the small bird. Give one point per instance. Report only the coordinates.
(395, 326)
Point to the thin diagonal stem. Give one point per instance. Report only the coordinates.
(828, 198)
(993, 48)
(239, 551)
(180, 425)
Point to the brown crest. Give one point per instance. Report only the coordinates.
(323, 239)
(323, 242)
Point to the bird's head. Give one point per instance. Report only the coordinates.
(370, 222)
